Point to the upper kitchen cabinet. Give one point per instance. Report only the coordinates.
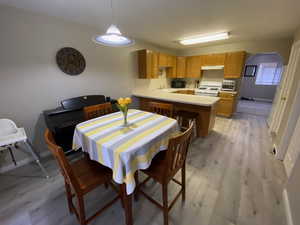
(193, 66)
(168, 61)
(181, 67)
(234, 64)
(165, 60)
(171, 72)
(213, 59)
(148, 64)
(162, 60)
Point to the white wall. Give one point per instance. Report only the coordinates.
(264, 92)
(30, 80)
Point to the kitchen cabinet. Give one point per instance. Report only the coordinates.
(193, 66)
(163, 60)
(227, 104)
(234, 64)
(148, 64)
(213, 59)
(180, 67)
(187, 92)
(171, 72)
(166, 60)
(189, 66)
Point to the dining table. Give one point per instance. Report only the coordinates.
(125, 148)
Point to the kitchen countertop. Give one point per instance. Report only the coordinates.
(231, 92)
(174, 89)
(167, 95)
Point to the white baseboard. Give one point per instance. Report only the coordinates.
(263, 100)
(286, 203)
(22, 162)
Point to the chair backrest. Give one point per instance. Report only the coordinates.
(61, 159)
(177, 151)
(164, 109)
(94, 111)
(7, 127)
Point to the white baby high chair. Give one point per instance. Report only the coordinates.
(11, 135)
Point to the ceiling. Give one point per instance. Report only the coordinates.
(164, 22)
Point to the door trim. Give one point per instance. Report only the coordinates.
(294, 113)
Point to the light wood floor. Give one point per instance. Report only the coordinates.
(232, 179)
(254, 107)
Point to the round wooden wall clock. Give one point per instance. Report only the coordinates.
(70, 61)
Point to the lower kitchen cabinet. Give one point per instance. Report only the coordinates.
(227, 104)
(187, 92)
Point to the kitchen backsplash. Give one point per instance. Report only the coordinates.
(163, 82)
(213, 75)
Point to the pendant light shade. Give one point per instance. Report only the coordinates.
(113, 38)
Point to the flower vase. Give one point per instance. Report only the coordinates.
(125, 124)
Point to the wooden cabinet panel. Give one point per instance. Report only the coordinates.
(171, 69)
(213, 59)
(193, 66)
(163, 60)
(147, 64)
(223, 94)
(180, 67)
(166, 60)
(171, 72)
(227, 104)
(234, 64)
(225, 107)
(171, 61)
(187, 92)
(190, 66)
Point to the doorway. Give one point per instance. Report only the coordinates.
(262, 75)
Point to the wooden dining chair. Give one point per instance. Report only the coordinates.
(185, 118)
(94, 111)
(80, 177)
(164, 167)
(164, 109)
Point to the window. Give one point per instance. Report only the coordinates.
(268, 74)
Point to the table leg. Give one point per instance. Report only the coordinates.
(127, 201)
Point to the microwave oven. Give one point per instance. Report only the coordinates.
(228, 85)
(176, 83)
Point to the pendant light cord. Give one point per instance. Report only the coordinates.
(112, 12)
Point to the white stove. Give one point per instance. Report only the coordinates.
(209, 88)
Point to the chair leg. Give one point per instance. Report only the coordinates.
(36, 157)
(165, 203)
(12, 155)
(69, 197)
(81, 210)
(183, 181)
(136, 193)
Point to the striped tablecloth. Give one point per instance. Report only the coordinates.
(125, 149)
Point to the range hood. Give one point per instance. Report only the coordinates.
(219, 67)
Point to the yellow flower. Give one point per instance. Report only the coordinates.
(128, 100)
(121, 101)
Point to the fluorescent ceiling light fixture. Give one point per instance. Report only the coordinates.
(204, 38)
(113, 38)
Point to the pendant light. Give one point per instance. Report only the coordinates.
(113, 37)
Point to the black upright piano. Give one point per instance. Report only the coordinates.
(62, 120)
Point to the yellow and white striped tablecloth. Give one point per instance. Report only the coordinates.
(125, 149)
